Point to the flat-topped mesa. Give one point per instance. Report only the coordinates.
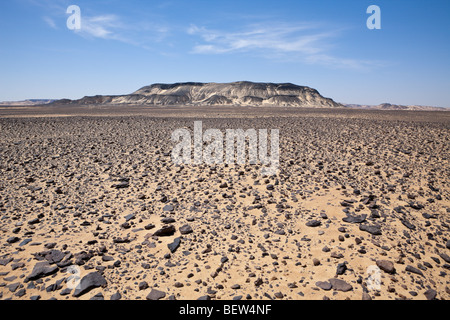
(243, 93)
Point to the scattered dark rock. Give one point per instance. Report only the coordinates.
(116, 296)
(143, 285)
(386, 266)
(340, 285)
(372, 229)
(445, 257)
(98, 297)
(407, 224)
(121, 185)
(90, 281)
(12, 240)
(324, 285)
(186, 229)
(313, 223)
(430, 294)
(341, 268)
(168, 208)
(174, 245)
(168, 220)
(5, 261)
(355, 219)
(155, 295)
(165, 231)
(278, 295)
(40, 270)
(414, 270)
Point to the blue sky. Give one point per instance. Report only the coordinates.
(324, 44)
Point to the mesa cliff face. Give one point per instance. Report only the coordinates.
(236, 93)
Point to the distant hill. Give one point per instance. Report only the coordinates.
(388, 106)
(29, 102)
(241, 93)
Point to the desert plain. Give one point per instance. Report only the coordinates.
(359, 208)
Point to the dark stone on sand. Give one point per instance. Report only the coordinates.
(430, 294)
(20, 293)
(278, 295)
(5, 261)
(340, 285)
(341, 268)
(40, 270)
(54, 256)
(34, 221)
(324, 285)
(12, 240)
(372, 229)
(174, 245)
(149, 226)
(116, 296)
(165, 231)
(355, 219)
(168, 220)
(155, 295)
(313, 223)
(408, 224)
(13, 286)
(98, 297)
(414, 270)
(445, 257)
(143, 285)
(65, 292)
(386, 266)
(168, 208)
(186, 229)
(121, 185)
(90, 281)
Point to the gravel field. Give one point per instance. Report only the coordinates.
(93, 191)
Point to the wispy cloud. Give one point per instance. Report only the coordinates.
(50, 22)
(105, 26)
(281, 40)
(113, 27)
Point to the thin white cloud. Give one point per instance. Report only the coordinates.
(50, 22)
(96, 25)
(280, 40)
(102, 26)
(113, 27)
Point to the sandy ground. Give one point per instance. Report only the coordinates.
(91, 186)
